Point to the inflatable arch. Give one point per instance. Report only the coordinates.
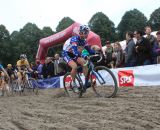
(45, 43)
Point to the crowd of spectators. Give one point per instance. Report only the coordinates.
(52, 66)
(140, 50)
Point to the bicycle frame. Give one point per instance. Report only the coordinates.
(90, 72)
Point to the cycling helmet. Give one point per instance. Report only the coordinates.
(9, 65)
(23, 56)
(84, 29)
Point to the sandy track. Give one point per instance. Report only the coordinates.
(132, 109)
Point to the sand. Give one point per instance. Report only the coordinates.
(135, 108)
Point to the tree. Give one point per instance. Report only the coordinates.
(47, 31)
(154, 20)
(131, 21)
(6, 48)
(29, 37)
(64, 23)
(103, 26)
(4, 34)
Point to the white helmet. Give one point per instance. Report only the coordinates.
(23, 56)
(84, 29)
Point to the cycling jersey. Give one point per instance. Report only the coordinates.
(70, 48)
(22, 63)
(71, 45)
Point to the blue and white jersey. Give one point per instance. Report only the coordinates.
(72, 44)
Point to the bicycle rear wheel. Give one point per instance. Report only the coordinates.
(104, 83)
(68, 86)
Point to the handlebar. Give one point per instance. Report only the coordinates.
(94, 56)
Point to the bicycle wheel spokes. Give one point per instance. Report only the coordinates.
(70, 90)
(31, 86)
(34, 86)
(105, 84)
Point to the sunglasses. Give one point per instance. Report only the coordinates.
(84, 33)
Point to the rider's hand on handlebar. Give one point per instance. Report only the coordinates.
(86, 57)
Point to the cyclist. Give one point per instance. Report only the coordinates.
(72, 50)
(11, 72)
(3, 73)
(22, 66)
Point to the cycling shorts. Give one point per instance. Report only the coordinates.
(68, 56)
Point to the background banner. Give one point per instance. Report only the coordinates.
(53, 82)
(148, 75)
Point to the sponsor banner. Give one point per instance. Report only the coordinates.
(126, 78)
(53, 82)
(148, 75)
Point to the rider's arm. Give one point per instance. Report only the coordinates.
(75, 49)
(19, 66)
(28, 66)
(5, 72)
(91, 51)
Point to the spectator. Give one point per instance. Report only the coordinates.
(39, 69)
(59, 65)
(152, 40)
(150, 37)
(117, 55)
(143, 49)
(33, 66)
(48, 68)
(130, 51)
(108, 54)
(157, 50)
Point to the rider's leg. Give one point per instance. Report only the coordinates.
(3, 83)
(81, 61)
(73, 66)
(19, 79)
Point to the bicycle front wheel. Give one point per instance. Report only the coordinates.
(104, 83)
(70, 90)
(31, 86)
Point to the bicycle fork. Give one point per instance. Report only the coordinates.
(99, 77)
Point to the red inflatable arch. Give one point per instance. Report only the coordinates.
(45, 43)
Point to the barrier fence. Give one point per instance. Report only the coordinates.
(148, 75)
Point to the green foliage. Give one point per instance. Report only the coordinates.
(30, 35)
(56, 49)
(4, 34)
(103, 26)
(64, 23)
(131, 21)
(154, 20)
(47, 31)
(5, 47)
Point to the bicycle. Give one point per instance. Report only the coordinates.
(4, 87)
(29, 84)
(103, 81)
